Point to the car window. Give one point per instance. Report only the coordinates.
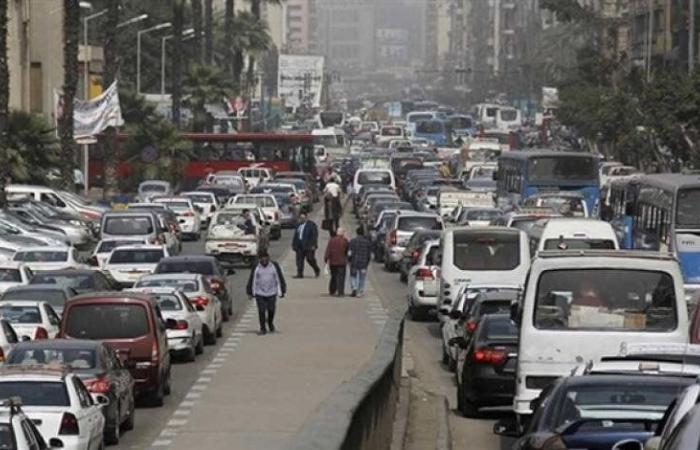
(168, 302)
(200, 267)
(54, 297)
(501, 329)
(10, 334)
(182, 285)
(136, 256)
(73, 280)
(419, 223)
(128, 225)
(10, 275)
(107, 321)
(83, 395)
(78, 359)
(476, 251)
(20, 314)
(36, 393)
(41, 256)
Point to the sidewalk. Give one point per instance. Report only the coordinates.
(259, 390)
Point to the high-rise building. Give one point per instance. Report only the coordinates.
(300, 26)
(346, 34)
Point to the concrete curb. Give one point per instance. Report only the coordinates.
(403, 409)
(444, 437)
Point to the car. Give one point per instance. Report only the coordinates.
(185, 335)
(486, 365)
(187, 215)
(379, 231)
(203, 265)
(494, 302)
(14, 274)
(128, 263)
(58, 403)
(198, 291)
(11, 226)
(49, 258)
(53, 294)
(31, 319)
(82, 281)
(563, 233)
(524, 219)
(129, 322)
(207, 202)
(18, 432)
(401, 231)
(464, 216)
(8, 339)
(255, 175)
(133, 225)
(412, 253)
(148, 189)
(268, 204)
(687, 432)
(565, 203)
(281, 176)
(289, 207)
(423, 281)
(169, 233)
(40, 215)
(98, 367)
(227, 240)
(229, 178)
(105, 247)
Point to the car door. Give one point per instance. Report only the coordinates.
(52, 322)
(89, 415)
(121, 379)
(10, 338)
(162, 338)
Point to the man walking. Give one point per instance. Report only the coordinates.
(304, 245)
(360, 251)
(337, 260)
(266, 283)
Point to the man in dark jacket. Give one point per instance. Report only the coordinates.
(304, 245)
(337, 260)
(266, 283)
(360, 251)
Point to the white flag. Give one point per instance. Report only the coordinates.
(91, 117)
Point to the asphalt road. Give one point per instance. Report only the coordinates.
(150, 421)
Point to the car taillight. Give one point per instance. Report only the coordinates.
(277, 215)
(2, 355)
(392, 237)
(199, 301)
(425, 274)
(154, 353)
(69, 425)
(489, 356)
(157, 240)
(41, 333)
(98, 385)
(470, 326)
(181, 325)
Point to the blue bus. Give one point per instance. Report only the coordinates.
(462, 125)
(522, 174)
(663, 214)
(436, 130)
(613, 206)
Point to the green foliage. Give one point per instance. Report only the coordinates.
(567, 10)
(203, 85)
(32, 148)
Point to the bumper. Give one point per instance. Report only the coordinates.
(395, 254)
(189, 226)
(230, 249)
(419, 299)
(178, 344)
(493, 389)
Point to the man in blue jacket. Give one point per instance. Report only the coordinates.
(304, 245)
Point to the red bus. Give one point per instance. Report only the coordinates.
(213, 152)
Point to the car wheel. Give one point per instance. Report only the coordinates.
(112, 434)
(224, 314)
(200, 344)
(403, 277)
(219, 331)
(158, 396)
(131, 418)
(167, 387)
(209, 337)
(192, 352)
(445, 356)
(469, 409)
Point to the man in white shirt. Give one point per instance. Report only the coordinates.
(332, 189)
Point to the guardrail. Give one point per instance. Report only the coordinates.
(359, 414)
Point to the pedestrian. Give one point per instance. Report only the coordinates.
(249, 226)
(360, 251)
(337, 260)
(332, 207)
(304, 244)
(266, 284)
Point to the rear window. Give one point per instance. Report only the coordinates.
(136, 256)
(76, 358)
(263, 202)
(155, 187)
(486, 251)
(494, 307)
(168, 302)
(108, 246)
(501, 329)
(78, 281)
(579, 244)
(8, 275)
(200, 267)
(177, 206)
(41, 256)
(392, 131)
(20, 314)
(36, 393)
(182, 285)
(106, 321)
(419, 223)
(128, 225)
(374, 177)
(56, 298)
(480, 215)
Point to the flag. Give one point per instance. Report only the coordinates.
(91, 117)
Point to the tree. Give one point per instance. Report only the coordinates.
(4, 100)
(109, 74)
(31, 144)
(176, 89)
(256, 11)
(71, 36)
(251, 36)
(197, 26)
(209, 31)
(203, 85)
(229, 50)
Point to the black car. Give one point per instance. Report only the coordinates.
(495, 302)
(486, 365)
(98, 367)
(412, 252)
(81, 280)
(597, 411)
(203, 265)
(55, 295)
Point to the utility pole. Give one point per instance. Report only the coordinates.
(691, 37)
(650, 39)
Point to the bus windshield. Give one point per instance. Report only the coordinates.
(688, 213)
(430, 127)
(419, 117)
(561, 168)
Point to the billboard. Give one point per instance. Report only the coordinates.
(300, 80)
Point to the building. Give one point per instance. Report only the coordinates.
(35, 54)
(346, 34)
(300, 26)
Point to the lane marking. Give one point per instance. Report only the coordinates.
(176, 422)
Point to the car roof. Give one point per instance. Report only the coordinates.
(494, 296)
(41, 287)
(624, 379)
(11, 265)
(135, 247)
(42, 371)
(189, 258)
(45, 249)
(23, 302)
(58, 344)
(171, 276)
(110, 297)
(154, 290)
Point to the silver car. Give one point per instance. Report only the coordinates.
(405, 224)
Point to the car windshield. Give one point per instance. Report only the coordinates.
(200, 267)
(108, 246)
(136, 256)
(606, 299)
(20, 314)
(484, 155)
(10, 275)
(579, 244)
(78, 359)
(688, 212)
(230, 219)
(602, 404)
(128, 225)
(76, 280)
(153, 187)
(486, 251)
(36, 393)
(562, 168)
(106, 321)
(261, 201)
(41, 256)
(460, 123)
(168, 302)
(430, 127)
(177, 206)
(525, 224)
(182, 285)
(374, 178)
(419, 223)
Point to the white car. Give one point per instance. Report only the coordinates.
(14, 274)
(200, 294)
(14, 423)
(129, 263)
(423, 281)
(49, 258)
(227, 239)
(8, 339)
(31, 319)
(186, 338)
(58, 403)
(206, 201)
(268, 205)
(104, 248)
(187, 215)
(256, 175)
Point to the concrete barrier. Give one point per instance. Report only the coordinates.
(359, 414)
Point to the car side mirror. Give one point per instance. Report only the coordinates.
(628, 444)
(170, 324)
(506, 427)
(516, 312)
(102, 399)
(458, 341)
(55, 443)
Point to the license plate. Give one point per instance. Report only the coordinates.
(230, 245)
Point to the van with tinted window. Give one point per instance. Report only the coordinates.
(132, 225)
(562, 233)
(130, 323)
(373, 176)
(497, 255)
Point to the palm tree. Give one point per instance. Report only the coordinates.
(209, 31)
(4, 100)
(251, 36)
(256, 11)
(30, 143)
(111, 49)
(229, 50)
(71, 36)
(178, 27)
(203, 85)
(197, 25)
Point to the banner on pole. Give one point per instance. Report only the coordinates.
(91, 117)
(300, 80)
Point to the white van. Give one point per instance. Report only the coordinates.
(332, 139)
(486, 113)
(497, 255)
(563, 233)
(509, 118)
(373, 176)
(41, 194)
(580, 306)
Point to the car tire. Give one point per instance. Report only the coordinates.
(220, 331)
(403, 277)
(209, 337)
(200, 344)
(225, 314)
(158, 396)
(191, 354)
(128, 424)
(167, 388)
(112, 434)
(445, 356)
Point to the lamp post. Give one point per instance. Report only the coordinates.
(133, 20)
(163, 40)
(138, 50)
(86, 60)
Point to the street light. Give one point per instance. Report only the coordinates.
(86, 61)
(133, 20)
(163, 40)
(138, 50)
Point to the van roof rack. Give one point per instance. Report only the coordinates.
(638, 254)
